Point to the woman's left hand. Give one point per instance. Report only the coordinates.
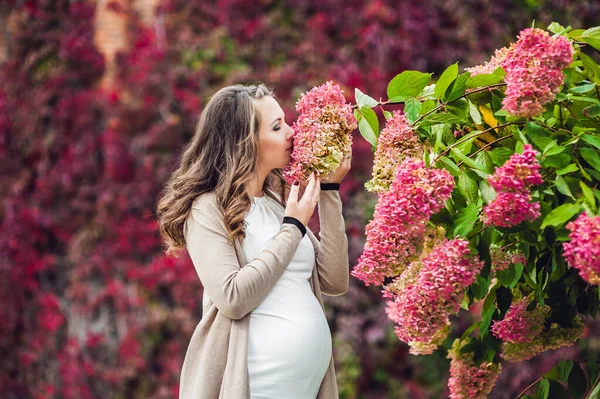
(337, 175)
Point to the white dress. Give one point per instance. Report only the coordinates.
(289, 342)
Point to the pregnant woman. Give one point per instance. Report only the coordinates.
(263, 333)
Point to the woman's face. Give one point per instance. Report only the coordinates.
(275, 136)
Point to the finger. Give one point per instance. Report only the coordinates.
(294, 189)
(317, 190)
(311, 186)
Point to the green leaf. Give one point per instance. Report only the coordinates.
(593, 140)
(457, 88)
(444, 81)
(583, 88)
(591, 68)
(591, 157)
(412, 106)
(563, 187)
(485, 79)
(470, 162)
(561, 371)
(468, 188)
(577, 382)
(427, 106)
(542, 389)
(588, 194)
(538, 135)
(407, 84)
(560, 215)
(518, 273)
(368, 124)
(555, 27)
(475, 114)
(486, 318)
(592, 111)
(363, 100)
(487, 192)
(592, 37)
(571, 168)
(435, 119)
(465, 220)
(469, 330)
(557, 161)
(450, 166)
(595, 394)
(500, 155)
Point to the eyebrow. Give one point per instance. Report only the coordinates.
(278, 119)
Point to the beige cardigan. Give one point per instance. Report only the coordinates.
(215, 364)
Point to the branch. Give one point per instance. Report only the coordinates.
(485, 146)
(456, 99)
(475, 135)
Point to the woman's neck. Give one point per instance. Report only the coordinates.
(254, 187)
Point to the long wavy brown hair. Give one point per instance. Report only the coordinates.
(221, 157)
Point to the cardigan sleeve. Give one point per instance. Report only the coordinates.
(332, 256)
(234, 290)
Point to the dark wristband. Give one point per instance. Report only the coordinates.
(330, 186)
(294, 221)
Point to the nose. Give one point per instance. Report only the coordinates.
(290, 133)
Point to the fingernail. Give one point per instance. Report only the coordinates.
(296, 183)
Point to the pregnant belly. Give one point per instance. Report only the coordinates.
(289, 342)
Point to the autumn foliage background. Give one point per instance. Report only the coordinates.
(97, 99)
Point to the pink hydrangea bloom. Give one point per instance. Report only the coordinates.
(502, 258)
(322, 133)
(395, 235)
(512, 181)
(510, 209)
(553, 338)
(533, 68)
(468, 380)
(583, 250)
(396, 142)
(422, 309)
(490, 66)
(520, 325)
(520, 172)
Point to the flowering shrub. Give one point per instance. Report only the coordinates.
(322, 133)
(395, 235)
(582, 251)
(518, 140)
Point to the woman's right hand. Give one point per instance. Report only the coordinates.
(304, 208)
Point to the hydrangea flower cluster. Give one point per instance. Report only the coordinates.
(490, 66)
(502, 258)
(395, 235)
(468, 380)
(396, 142)
(553, 338)
(512, 181)
(322, 133)
(583, 250)
(520, 325)
(422, 309)
(533, 68)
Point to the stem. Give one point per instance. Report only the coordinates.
(475, 135)
(531, 385)
(485, 146)
(463, 96)
(592, 387)
(585, 44)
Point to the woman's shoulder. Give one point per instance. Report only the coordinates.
(205, 201)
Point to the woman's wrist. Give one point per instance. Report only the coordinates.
(330, 186)
(296, 222)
